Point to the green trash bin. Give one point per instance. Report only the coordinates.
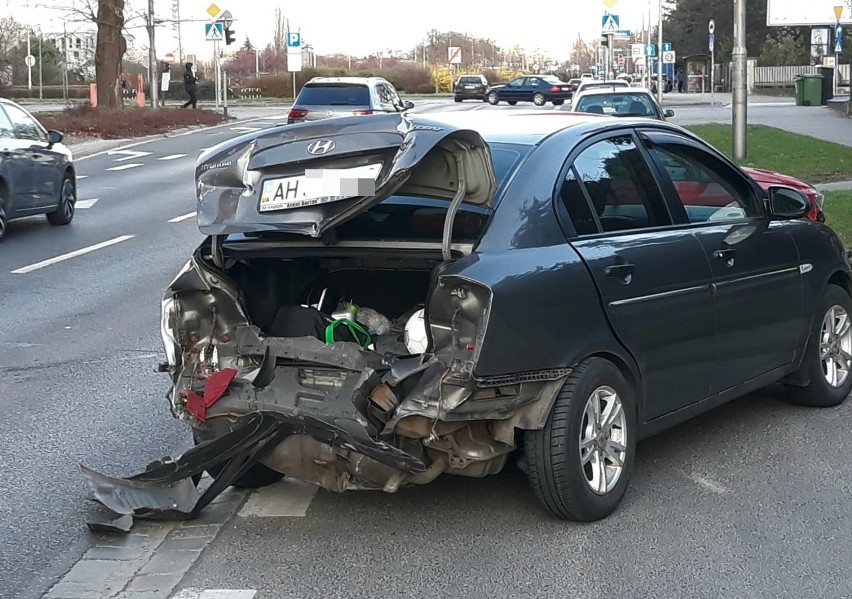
(800, 90)
(812, 95)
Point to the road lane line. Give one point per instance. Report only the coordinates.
(289, 498)
(81, 177)
(69, 255)
(124, 167)
(85, 204)
(172, 157)
(177, 219)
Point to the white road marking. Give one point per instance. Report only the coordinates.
(69, 255)
(86, 204)
(246, 129)
(710, 485)
(124, 167)
(205, 149)
(192, 593)
(288, 499)
(129, 154)
(172, 157)
(274, 117)
(177, 219)
(81, 177)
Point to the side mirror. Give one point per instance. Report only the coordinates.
(788, 203)
(54, 137)
(408, 105)
(668, 113)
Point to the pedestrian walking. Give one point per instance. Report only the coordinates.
(190, 84)
(680, 80)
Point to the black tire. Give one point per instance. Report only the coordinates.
(558, 102)
(553, 454)
(539, 99)
(512, 102)
(819, 393)
(457, 99)
(493, 99)
(3, 217)
(67, 202)
(257, 476)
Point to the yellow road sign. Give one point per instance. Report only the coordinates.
(213, 10)
(610, 3)
(838, 11)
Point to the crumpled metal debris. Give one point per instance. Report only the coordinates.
(166, 491)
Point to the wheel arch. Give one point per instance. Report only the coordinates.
(841, 279)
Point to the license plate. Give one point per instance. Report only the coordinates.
(318, 186)
(470, 87)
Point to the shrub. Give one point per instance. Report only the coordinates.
(127, 122)
(50, 92)
(425, 88)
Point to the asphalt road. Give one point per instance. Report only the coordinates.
(748, 501)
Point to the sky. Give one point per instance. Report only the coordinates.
(358, 29)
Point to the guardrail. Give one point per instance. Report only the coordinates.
(250, 93)
(785, 76)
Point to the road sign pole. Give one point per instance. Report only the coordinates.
(740, 104)
(216, 61)
(611, 40)
(712, 29)
(660, 54)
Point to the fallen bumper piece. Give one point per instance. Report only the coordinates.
(166, 491)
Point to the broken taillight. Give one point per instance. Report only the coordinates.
(362, 112)
(297, 113)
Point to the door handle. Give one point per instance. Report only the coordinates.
(727, 255)
(622, 272)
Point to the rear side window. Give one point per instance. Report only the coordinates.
(6, 127)
(335, 95)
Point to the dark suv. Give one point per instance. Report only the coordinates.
(327, 97)
(470, 87)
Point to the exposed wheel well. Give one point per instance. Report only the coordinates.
(841, 279)
(628, 373)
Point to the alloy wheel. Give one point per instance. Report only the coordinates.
(539, 100)
(68, 199)
(835, 346)
(603, 440)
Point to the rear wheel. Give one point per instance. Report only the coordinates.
(493, 99)
(539, 99)
(558, 102)
(512, 102)
(256, 477)
(579, 464)
(67, 202)
(457, 99)
(827, 362)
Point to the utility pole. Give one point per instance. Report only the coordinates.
(152, 60)
(648, 62)
(40, 70)
(660, 54)
(29, 66)
(740, 104)
(177, 26)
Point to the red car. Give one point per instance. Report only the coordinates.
(766, 178)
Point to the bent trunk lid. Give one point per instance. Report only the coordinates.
(267, 181)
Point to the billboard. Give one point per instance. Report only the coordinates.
(795, 13)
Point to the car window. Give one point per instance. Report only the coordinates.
(6, 127)
(342, 94)
(532, 81)
(709, 190)
(25, 126)
(386, 94)
(616, 182)
(516, 82)
(618, 104)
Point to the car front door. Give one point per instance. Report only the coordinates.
(653, 278)
(16, 166)
(44, 161)
(529, 89)
(513, 90)
(757, 281)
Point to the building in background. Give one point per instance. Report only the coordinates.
(78, 48)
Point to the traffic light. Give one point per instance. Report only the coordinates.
(229, 36)
(605, 42)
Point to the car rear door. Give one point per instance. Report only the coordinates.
(46, 169)
(653, 279)
(17, 167)
(513, 90)
(529, 88)
(757, 282)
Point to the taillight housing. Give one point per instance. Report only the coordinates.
(458, 318)
(297, 113)
(362, 112)
(556, 89)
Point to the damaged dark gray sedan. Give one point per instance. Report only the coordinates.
(382, 300)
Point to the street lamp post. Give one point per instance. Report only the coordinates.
(740, 101)
(152, 59)
(40, 71)
(660, 54)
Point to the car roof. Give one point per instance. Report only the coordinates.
(355, 80)
(526, 127)
(616, 90)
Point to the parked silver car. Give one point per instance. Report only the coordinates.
(36, 169)
(328, 97)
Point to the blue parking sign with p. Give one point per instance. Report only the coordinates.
(294, 40)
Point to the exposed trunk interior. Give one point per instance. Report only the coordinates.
(392, 288)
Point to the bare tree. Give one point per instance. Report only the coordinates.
(278, 40)
(11, 33)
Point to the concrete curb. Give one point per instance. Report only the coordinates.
(836, 186)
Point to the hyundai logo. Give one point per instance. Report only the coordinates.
(320, 146)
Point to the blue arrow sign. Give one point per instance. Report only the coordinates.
(711, 41)
(838, 39)
(214, 32)
(667, 47)
(650, 50)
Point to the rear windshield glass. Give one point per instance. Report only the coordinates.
(422, 219)
(552, 79)
(470, 80)
(335, 95)
(618, 104)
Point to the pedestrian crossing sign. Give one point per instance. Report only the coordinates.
(609, 24)
(214, 32)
